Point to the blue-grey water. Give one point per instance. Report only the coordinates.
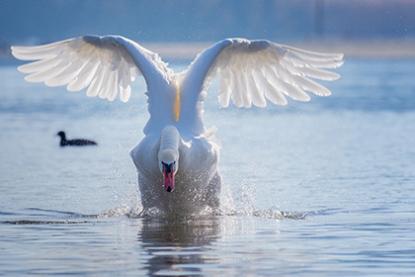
(313, 189)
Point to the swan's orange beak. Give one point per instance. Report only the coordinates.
(168, 180)
(168, 177)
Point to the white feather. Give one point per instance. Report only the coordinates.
(114, 87)
(51, 72)
(105, 84)
(93, 89)
(38, 66)
(86, 62)
(84, 77)
(66, 76)
(125, 94)
(262, 68)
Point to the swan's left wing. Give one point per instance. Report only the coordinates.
(252, 72)
(104, 65)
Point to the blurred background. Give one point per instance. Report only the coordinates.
(356, 27)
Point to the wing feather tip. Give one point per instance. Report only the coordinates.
(335, 76)
(261, 105)
(223, 104)
(340, 56)
(322, 93)
(21, 69)
(28, 78)
(339, 63)
(18, 56)
(72, 89)
(304, 99)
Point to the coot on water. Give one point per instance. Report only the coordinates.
(73, 142)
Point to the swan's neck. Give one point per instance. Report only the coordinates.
(169, 141)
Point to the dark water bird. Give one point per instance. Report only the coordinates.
(73, 142)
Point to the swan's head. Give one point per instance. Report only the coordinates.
(168, 164)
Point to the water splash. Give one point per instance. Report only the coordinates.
(243, 204)
(240, 205)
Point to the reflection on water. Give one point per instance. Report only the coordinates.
(178, 246)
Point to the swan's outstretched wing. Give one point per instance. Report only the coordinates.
(106, 65)
(252, 72)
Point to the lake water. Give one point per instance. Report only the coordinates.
(312, 189)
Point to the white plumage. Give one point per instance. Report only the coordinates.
(249, 72)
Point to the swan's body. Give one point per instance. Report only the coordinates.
(197, 179)
(176, 154)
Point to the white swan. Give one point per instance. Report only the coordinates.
(175, 153)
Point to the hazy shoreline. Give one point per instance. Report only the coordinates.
(183, 51)
(359, 49)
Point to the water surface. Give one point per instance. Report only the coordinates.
(311, 189)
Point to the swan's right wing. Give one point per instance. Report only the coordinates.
(105, 66)
(252, 72)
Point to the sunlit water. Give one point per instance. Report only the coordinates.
(313, 189)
